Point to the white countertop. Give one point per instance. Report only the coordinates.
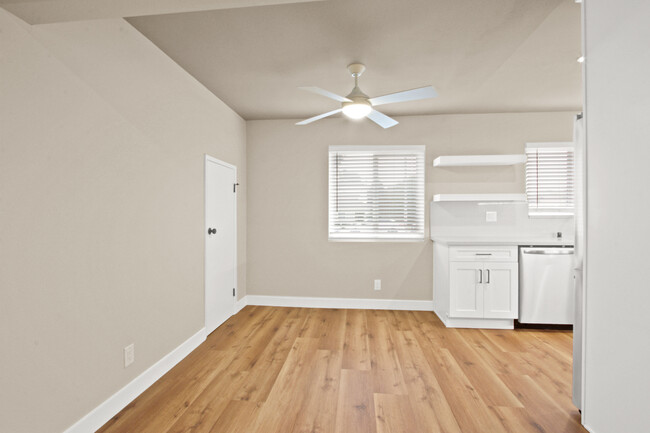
(502, 240)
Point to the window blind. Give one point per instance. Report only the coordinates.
(550, 177)
(376, 192)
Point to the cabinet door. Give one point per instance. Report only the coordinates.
(501, 291)
(466, 290)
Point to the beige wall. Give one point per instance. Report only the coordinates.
(102, 140)
(288, 250)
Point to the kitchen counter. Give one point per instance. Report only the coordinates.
(502, 240)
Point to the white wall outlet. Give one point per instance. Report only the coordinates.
(129, 355)
(491, 216)
(377, 284)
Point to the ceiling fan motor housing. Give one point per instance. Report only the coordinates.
(357, 100)
(357, 97)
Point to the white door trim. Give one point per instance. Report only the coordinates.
(220, 162)
(211, 159)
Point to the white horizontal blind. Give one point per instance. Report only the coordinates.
(376, 192)
(550, 177)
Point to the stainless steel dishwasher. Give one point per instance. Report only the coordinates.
(546, 289)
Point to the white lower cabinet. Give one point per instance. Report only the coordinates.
(501, 291)
(466, 289)
(476, 286)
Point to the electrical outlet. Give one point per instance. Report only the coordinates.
(129, 355)
(491, 216)
(377, 284)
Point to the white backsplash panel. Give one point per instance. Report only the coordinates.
(469, 219)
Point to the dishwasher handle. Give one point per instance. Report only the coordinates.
(549, 252)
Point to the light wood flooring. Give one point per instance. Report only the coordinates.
(292, 370)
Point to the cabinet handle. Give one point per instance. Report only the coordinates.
(487, 281)
(483, 254)
(480, 277)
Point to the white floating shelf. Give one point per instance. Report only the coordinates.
(478, 160)
(510, 198)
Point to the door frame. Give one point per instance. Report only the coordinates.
(207, 160)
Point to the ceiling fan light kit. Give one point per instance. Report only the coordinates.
(356, 109)
(358, 105)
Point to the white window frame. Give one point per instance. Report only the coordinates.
(560, 212)
(335, 236)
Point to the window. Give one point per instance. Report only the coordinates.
(549, 179)
(376, 192)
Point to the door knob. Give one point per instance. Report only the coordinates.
(212, 231)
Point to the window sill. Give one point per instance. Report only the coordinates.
(375, 240)
(550, 215)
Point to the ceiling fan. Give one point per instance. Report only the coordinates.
(358, 105)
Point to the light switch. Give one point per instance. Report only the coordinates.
(491, 216)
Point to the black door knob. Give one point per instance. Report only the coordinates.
(212, 231)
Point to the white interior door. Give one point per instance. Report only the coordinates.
(220, 242)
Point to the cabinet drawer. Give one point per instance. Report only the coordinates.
(483, 253)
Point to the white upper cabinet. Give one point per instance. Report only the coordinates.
(478, 160)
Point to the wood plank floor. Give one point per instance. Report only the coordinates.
(292, 370)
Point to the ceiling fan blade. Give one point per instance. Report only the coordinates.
(325, 93)
(407, 95)
(320, 116)
(381, 119)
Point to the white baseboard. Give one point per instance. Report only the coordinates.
(589, 429)
(441, 316)
(109, 408)
(454, 322)
(480, 323)
(239, 305)
(348, 303)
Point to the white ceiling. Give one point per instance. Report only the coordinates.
(482, 56)
(51, 11)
